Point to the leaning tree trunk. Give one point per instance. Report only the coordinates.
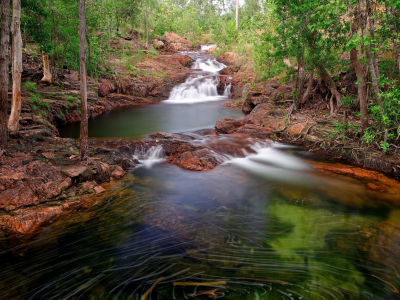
(309, 87)
(46, 69)
(371, 25)
(84, 150)
(13, 123)
(362, 87)
(393, 31)
(371, 66)
(330, 83)
(237, 14)
(4, 44)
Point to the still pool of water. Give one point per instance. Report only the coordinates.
(225, 234)
(136, 121)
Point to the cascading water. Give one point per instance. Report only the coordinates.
(150, 156)
(202, 84)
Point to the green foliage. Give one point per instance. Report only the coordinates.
(153, 52)
(369, 136)
(30, 86)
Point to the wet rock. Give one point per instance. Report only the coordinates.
(199, 160)
(226, 125)
(25, 222)
(54, 188)
(29, 184)
(163, 135)
(256, 131)
(117, 172)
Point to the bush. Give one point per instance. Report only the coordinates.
(30, 86)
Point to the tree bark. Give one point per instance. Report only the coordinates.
(237, 14)
(375, 84)
(4, 57)
(330, 83)
(46, 69)
(89, 50)
(372, 33)
(13, 123)
(362, 87)
(84, 150)
(62, 59)
(309, 87)
(147, 29)
(393, 31)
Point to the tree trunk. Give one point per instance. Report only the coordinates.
(362, 87)
(374, 79)
(376, 56)
(89, 50)
(13, 123)
(84, 150)
(393, 31)
(309, 87)
(237, 14)
(4, 44)
(62, 59)
(46, 69)
(330, 83)
(147, 29)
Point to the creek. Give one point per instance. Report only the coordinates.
(266, 226)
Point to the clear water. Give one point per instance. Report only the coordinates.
(263, 238)
(261, 227)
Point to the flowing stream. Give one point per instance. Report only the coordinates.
(264, 226)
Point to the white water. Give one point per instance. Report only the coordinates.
(201, 86)
(149, 157)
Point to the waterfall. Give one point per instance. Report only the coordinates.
(150, 156)
(202, 84)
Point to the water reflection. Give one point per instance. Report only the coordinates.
(233, 235)
(137, 121)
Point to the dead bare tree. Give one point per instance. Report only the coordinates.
(13, 122)
(84, 150)
(4, 58)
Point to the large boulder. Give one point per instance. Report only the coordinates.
(226, 125)
(105, 87)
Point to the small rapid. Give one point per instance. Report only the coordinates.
(201, 85)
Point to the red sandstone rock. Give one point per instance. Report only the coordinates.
(105, 87)
(117, 172)
(226, 125)
(73, 170)
(297, 129)
(256, 131)
(200, 160)
(54, 188)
